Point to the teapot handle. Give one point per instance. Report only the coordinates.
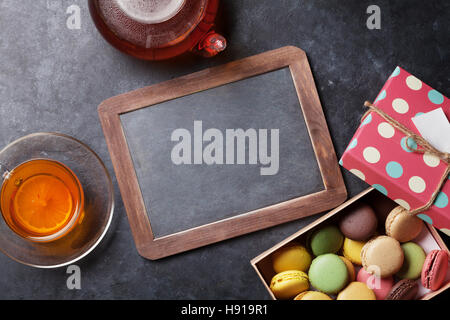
(211, 44)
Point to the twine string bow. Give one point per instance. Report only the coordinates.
(425, 147)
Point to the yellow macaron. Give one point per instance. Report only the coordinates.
(312, 295)
(352, 250)
(356, 291)
(350, 269)
(291, 257)
(288, 284)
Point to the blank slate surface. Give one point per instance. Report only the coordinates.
(178, 207)
(179, 197)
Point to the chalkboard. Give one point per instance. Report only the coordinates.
(222, 152)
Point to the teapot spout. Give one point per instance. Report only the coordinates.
(211, 44)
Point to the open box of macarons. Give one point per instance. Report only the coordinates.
(368, 248)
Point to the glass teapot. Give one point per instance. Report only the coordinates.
(158, 29)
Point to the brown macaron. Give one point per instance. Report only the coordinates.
(359, 223)
(404, 290)
(402, 225)
(382, 256)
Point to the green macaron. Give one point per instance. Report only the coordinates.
(326, 240)
(328, 273)
(413, 261)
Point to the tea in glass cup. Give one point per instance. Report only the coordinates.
(41, 200)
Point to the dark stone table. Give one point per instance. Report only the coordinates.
(53, 78)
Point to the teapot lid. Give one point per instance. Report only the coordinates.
(150, 11)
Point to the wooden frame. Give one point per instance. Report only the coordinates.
(263, 263)
(154, 248)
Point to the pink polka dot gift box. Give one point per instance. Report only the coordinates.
(391, 152)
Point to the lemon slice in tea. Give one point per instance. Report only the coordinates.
(43, 204)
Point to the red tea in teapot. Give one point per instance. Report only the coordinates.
(158, 29)
(154, 23)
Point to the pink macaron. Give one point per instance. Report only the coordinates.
(380, 286)
(434, 269)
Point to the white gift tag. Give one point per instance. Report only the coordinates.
(435, 128)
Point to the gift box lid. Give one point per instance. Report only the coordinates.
(382, 155)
